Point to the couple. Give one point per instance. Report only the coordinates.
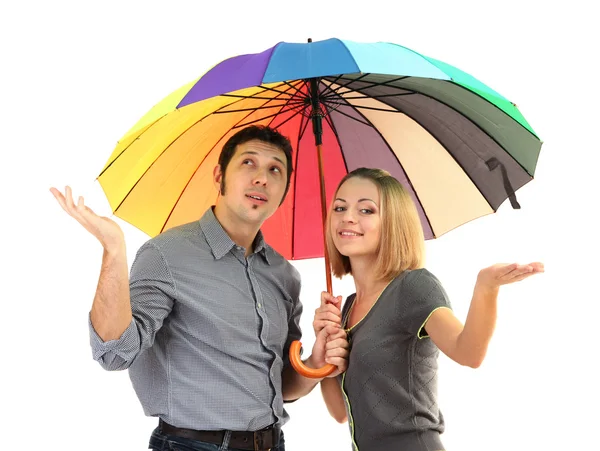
(205, 318)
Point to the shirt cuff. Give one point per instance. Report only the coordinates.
(125, 347)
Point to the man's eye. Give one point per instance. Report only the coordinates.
(275, 169)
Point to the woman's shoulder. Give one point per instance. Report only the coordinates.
(417, 280)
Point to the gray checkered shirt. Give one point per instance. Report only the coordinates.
(211, 329)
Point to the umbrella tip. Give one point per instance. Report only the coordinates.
(309, 40)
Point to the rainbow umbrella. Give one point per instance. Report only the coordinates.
(460, 148)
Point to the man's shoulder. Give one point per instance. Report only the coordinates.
(176, 236)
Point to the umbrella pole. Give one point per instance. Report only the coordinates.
(324, 217)
(296, 346)
(317, 122)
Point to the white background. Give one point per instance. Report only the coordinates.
(77, 75)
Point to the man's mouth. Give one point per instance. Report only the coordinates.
(257, 197)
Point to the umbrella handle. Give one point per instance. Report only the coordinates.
(301, 368)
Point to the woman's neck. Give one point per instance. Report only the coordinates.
(368, 285)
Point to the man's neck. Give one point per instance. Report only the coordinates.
(241, 233)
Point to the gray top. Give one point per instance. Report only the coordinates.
(211, 329)
(390, 385)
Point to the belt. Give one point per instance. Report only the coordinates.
(262, 440)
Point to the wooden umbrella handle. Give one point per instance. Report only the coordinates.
(301, 368)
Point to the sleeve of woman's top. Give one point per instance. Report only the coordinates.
(422, 294)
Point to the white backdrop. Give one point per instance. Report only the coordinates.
(77, 75)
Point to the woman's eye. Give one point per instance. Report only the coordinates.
(338, 209)
(366, 211)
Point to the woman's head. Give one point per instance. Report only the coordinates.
(373, 216)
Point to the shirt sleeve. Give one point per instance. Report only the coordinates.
(152, 294)
(422, 294)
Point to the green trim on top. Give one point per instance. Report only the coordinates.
(422, 328)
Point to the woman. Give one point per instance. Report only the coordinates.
(398, 318)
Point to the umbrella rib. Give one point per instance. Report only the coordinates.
(370, 97)
(264, 107)
(352, 117)
(329, 120)
(295, 104)
(237, 96)
(368, 107)
(266, 88)
(371, 85)
(341, 85)
(125, 149)
(305, 126)
(327, 87)
(269, 99)
(287, 120)
(267, 117)
(300, 134)
(496, 106)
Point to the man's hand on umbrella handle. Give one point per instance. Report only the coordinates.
(329, 312)
(104, 229)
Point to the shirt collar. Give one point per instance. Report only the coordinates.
(221, 243)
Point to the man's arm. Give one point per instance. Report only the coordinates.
(111, 309)
(116, 337)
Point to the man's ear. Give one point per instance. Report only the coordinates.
(217, 177)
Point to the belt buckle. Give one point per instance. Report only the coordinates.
(258, 441)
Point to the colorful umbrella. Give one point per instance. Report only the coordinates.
(460, 148)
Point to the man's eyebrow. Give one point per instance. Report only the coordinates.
(252, 152)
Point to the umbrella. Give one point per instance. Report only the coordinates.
(459, 147)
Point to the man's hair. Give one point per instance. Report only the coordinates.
(402, 245)
(260, 133)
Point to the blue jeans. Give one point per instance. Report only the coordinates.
(163, 442)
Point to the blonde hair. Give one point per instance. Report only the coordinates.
(402, 244)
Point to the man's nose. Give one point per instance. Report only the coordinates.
(260, 178)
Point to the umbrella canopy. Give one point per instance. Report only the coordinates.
(460, 148)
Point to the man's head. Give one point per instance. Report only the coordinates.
(253, 174)
(259, 133)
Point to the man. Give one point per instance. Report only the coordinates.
(205, 321)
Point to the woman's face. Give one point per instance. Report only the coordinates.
(356, 218)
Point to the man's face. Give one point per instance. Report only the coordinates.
(255, 182)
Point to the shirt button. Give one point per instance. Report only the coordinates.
(259, 305)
